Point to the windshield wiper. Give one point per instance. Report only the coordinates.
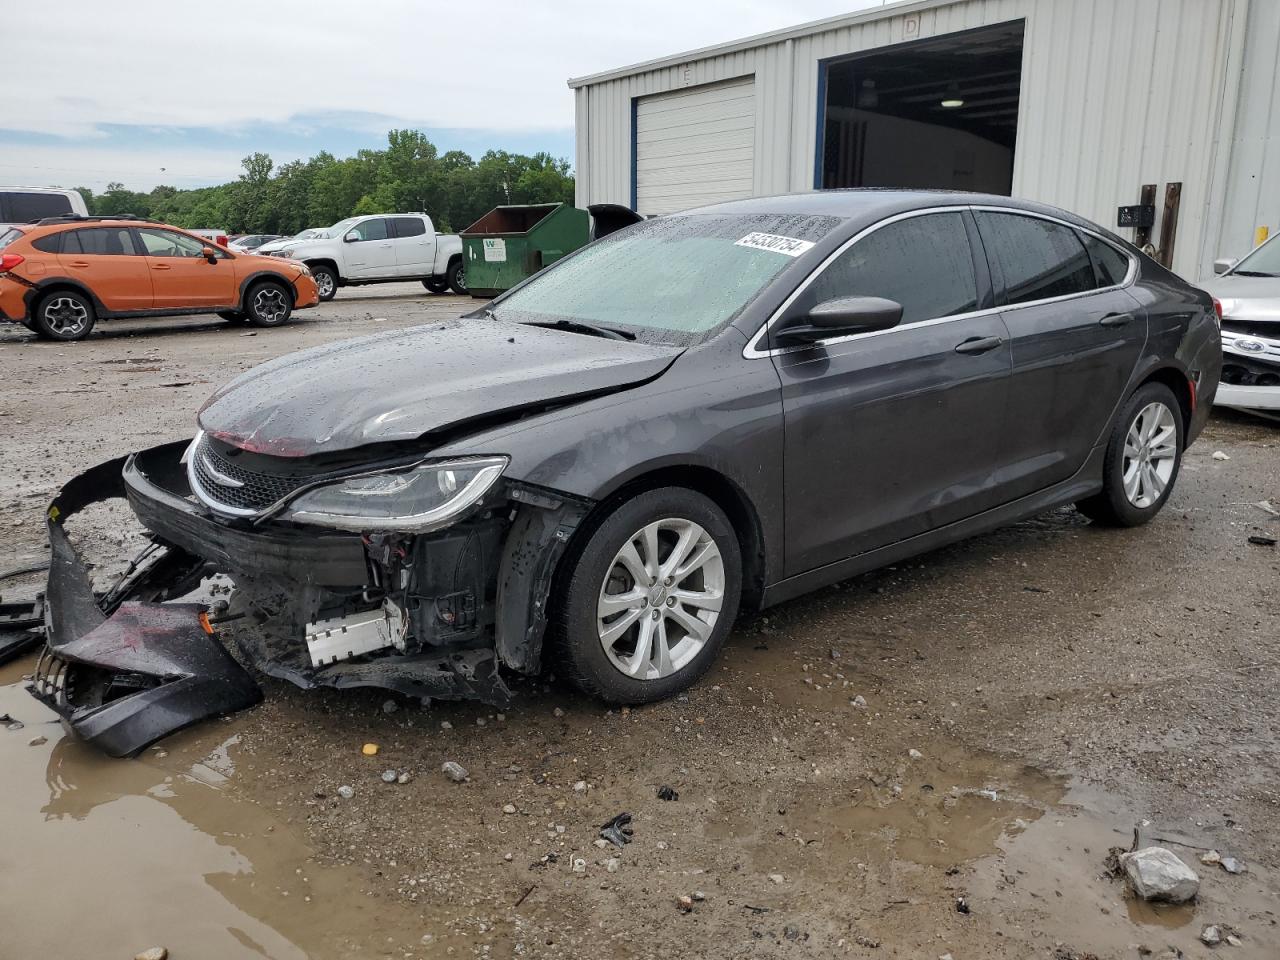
(580, 326)
(1254, 273)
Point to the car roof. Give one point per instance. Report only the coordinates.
(874, 203)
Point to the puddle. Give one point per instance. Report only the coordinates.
(104, 858)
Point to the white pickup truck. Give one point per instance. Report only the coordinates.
(381, 249)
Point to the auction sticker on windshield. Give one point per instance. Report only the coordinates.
(775, 244)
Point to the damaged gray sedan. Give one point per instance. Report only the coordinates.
(709, 412)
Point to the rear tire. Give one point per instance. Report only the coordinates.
(436, 285)
(64, 315)
(326, 282)
(659, 636)
(1143, 458)
(456, 278)
(268, 304)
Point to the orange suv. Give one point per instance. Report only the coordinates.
(60, 276)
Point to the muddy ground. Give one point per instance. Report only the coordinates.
(1060, 684)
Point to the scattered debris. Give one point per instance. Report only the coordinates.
(509, 808)
(10, 723)
(557, 712)
(580, 787)
(579, 865)
(390, 706)
(865, 941)
(37, 741)
(1219, 455)
(777, 878)
(1258, 540)
(405, 777)
(454, 771)
(1211, 935)
(389, 776)
(684, 904)
(667, 793)
(346, 792)
(1234, 941)
(915, 754)
(1211, 858)
(834, 654)
(612, 864)
(1232, 865)
(446, 725)
(962, 905)
(153, 953)
(369, 749)
(618, 830)
(989, 794)
(1266, 506)
(1066, 953)
(1155, 873)
(698, 896)
(756, 910)
(859, 702)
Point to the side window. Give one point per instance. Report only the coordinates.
(1040, 259)
(1110, 264)
(49, 243)
(25, 207)
(98, 242)
(166, 243)
(409, 226)
(370, 230)
(924, 263)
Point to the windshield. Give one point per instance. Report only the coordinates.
(8, 236)
(1263, 262)
(341, 227)
(669, 280)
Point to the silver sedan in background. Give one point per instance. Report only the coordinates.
(1248, 293)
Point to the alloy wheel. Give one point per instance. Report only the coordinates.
(324, 283)
(1150, 454)
(660, 599)
(66, 316)
(270, 305)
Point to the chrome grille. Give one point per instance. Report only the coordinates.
(229, 488)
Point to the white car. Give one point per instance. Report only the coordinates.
(26, 204)
(275, 246)
(1249, 295)
(382, 249)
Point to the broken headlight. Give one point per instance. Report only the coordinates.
(418, 500)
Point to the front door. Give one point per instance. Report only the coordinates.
(415, 246)
(181, 276)
(370, 250)
(105, 259)
(893, 433)
(1076, 336)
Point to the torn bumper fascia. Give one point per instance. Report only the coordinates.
(125, 668)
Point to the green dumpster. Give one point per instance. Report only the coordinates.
(508, 244)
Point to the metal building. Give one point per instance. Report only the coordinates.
(1168, 107)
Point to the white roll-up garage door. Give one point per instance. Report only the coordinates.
(695, 146)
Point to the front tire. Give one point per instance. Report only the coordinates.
(456, 278)
(650, 597)
(326, 282)
(1143, 457)
(436, 285)
(268, 304)
(64, 315)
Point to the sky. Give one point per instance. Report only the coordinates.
(157, 91)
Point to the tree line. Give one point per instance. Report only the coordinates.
(410, 175)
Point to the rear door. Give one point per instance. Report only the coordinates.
(415, 246)
(371, 252)
(893, 433)
(1076, 336)
(181, 276)
(106, 261)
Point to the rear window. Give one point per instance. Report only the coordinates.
(99, 242)
(25, 207)
(8, 236)
(1040, 259)
(409, 226)
(1112, 266)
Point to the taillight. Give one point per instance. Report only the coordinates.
(222, 240)
(1217, 311)
(10, 260)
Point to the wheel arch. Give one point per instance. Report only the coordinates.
(257, 277)
(1180, 384)
(50, 285)
(328, 263)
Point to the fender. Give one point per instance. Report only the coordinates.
(267, 275)
(38, 288)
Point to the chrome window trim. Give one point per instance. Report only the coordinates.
(753, 350)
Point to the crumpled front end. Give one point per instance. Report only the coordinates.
(1250, 366)
(435, 614)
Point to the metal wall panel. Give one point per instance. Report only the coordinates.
(1115, 94)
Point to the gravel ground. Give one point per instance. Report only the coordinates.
(1028, 697)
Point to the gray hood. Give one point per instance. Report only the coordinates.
(1252, 299)
(410, 383)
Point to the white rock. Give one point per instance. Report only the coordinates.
(1211, 936)
(580, 787)
(446, 725)
(346, 792)
(454, 771)
(557, 712)
(509, 808)
(155, 953)
(915, 754)
(1219, 455)
(612, 864)
(1157, 874)
(859, 702)
(777, 878)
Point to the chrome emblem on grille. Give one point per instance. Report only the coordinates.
(221, 479)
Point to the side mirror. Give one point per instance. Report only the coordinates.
(209, 254)
(1223, 265)
(841, 317)
(351, 237)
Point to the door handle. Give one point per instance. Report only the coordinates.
(1116, 319)
(979, 344)
(81, 264)
(161, 266)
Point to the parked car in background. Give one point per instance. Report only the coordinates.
(217, 236)
(382, 249)
(251, 242)
(697, 414)
(274, 246)
(1248, 294)
(60, 276)
(27, 204)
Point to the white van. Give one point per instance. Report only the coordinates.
(24, 204)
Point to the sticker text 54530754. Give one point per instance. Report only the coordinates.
(788, 246)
